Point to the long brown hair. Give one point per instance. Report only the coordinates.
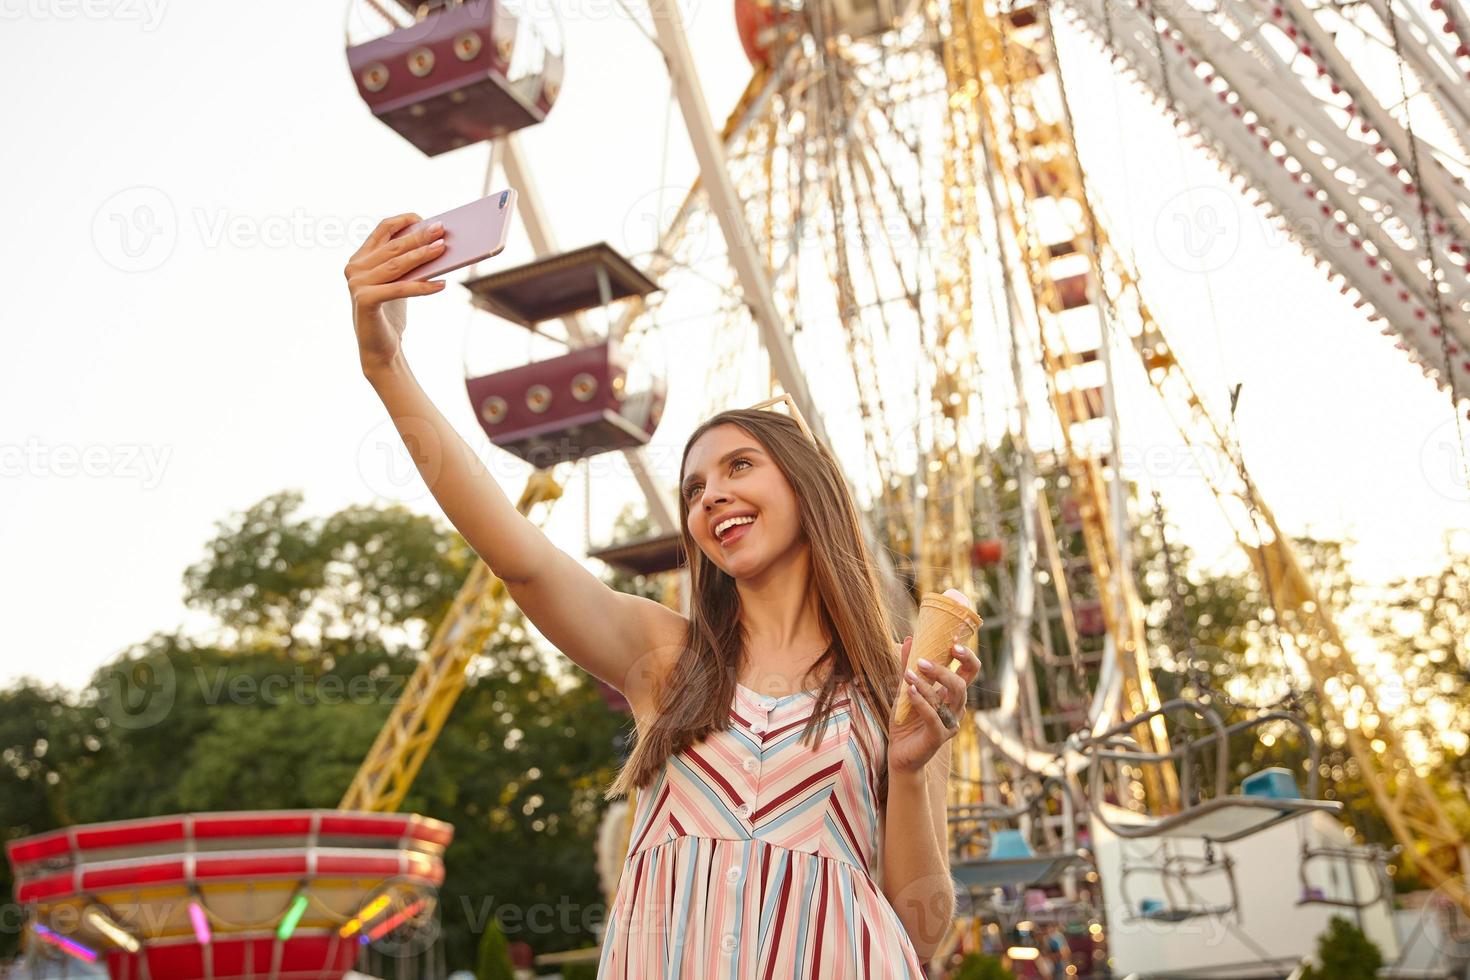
(694, 699)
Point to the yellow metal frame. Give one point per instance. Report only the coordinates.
(386, 775)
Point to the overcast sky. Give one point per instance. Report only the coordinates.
(186, 181)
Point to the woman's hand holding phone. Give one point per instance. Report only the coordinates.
(379, 310)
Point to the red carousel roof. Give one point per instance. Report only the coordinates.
(285, 893)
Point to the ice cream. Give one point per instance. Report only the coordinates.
(944, 620)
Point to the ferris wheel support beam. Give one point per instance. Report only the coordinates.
(740, 242)
(758, 93)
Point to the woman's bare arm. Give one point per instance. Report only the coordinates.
(623, 639)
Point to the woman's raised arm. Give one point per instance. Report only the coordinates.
(623, 639)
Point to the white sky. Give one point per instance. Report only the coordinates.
(144, 397)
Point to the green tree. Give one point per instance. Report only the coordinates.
(1344, 953)
(363, 579)
(977, 966)
(494, 956)
(39, 738)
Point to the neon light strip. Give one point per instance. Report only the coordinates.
(293, 916)
(201, 923)
(112, 930)
(350, 927)
(388, 924)
(70, 946)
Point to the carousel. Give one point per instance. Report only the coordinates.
(289, 894)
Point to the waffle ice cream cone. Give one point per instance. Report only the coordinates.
(944, 620)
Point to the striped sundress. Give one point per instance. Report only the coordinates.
(752, 856)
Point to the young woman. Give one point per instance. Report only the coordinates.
(785, 826)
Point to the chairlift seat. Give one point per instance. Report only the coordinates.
(1272, 784)
(560, 285)
(1156, 911)
(1267, 798)
(1231, 818)
(987, 873)
(1373, 858)
(1010, 844)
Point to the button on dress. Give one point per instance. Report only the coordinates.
(753, 856)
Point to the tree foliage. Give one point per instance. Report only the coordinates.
(494, 956)
(322, 621)
(1344, 952)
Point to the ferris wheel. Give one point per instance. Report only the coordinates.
(913, 253)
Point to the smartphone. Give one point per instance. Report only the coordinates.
(472, 232)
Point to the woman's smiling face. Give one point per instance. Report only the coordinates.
(728, 474)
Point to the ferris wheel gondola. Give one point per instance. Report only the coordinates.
(450, 73)
(596, 398)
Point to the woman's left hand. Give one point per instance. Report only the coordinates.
(913, 741)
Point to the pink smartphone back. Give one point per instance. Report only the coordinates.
(472, 232)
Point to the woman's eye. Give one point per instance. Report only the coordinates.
(689, 493)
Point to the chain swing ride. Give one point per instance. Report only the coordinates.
(904, 177)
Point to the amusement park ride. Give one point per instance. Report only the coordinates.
(1082, 805)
